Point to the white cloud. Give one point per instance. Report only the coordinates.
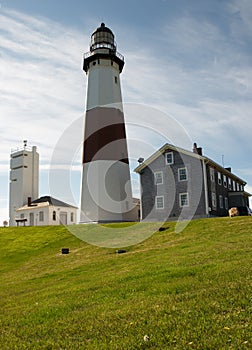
(43, 86)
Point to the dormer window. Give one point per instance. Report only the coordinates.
(169, 158)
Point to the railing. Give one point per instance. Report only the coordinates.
(116, 53)
(24, 148)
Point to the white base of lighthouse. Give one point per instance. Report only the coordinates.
(106, 192)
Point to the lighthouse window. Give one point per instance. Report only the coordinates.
(116, 80)
(54, 215)
(94, 63)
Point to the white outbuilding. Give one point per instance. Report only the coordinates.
(46, 210)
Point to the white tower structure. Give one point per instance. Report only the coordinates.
(106, 188)
(24, 178)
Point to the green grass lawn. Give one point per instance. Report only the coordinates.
(188, 290)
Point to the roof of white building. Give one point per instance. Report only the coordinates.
(52, 201)
(45, 201)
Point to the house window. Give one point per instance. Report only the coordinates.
(183, 200)
(224, 180)
(219, 178)
(158, 177)
(54, 215)
(229, 183)
(213, 200)
(41, 216)
(116, 80)
(238, 186)
(226, 203)
(22, 216)
(241, 187)
(182, 174)
(169, 158)
(72, 217)
(159, 202)
(220, 201)
(233, 185)
(212, 174)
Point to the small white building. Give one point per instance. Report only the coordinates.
(46, 211)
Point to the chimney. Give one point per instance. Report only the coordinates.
(229, 169)
(196, 149)
(199, 151)
(29, 201)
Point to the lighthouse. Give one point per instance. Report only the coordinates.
(106, 194)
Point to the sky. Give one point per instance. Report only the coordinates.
(187, 78)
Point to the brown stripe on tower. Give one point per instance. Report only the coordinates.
(100, 117)
(105, 135)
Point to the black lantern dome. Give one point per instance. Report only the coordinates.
(103, 37)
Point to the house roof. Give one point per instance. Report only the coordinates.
(52, 201)
(206, 160)
(45, 201)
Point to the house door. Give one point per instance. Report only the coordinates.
(63, 218)
(31, 219)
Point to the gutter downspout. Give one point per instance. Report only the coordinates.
(205, 187)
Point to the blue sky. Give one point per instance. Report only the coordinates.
(187, 78)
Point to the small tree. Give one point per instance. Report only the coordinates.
(5, 223)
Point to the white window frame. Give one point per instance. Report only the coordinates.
(214, 200)
(237, 186)
(156, 202)
(224, 181)
(212, 174)
(229, 183)
(219, 178)
(221, 201)
(172, 158)
(156, 176)
(180, 200)
(234, 186)
(179, 175)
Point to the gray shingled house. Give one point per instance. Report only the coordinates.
(180, 184)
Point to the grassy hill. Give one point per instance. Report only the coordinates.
(188, 290)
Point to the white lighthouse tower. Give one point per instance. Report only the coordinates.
(24, 178)
(106, 188)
